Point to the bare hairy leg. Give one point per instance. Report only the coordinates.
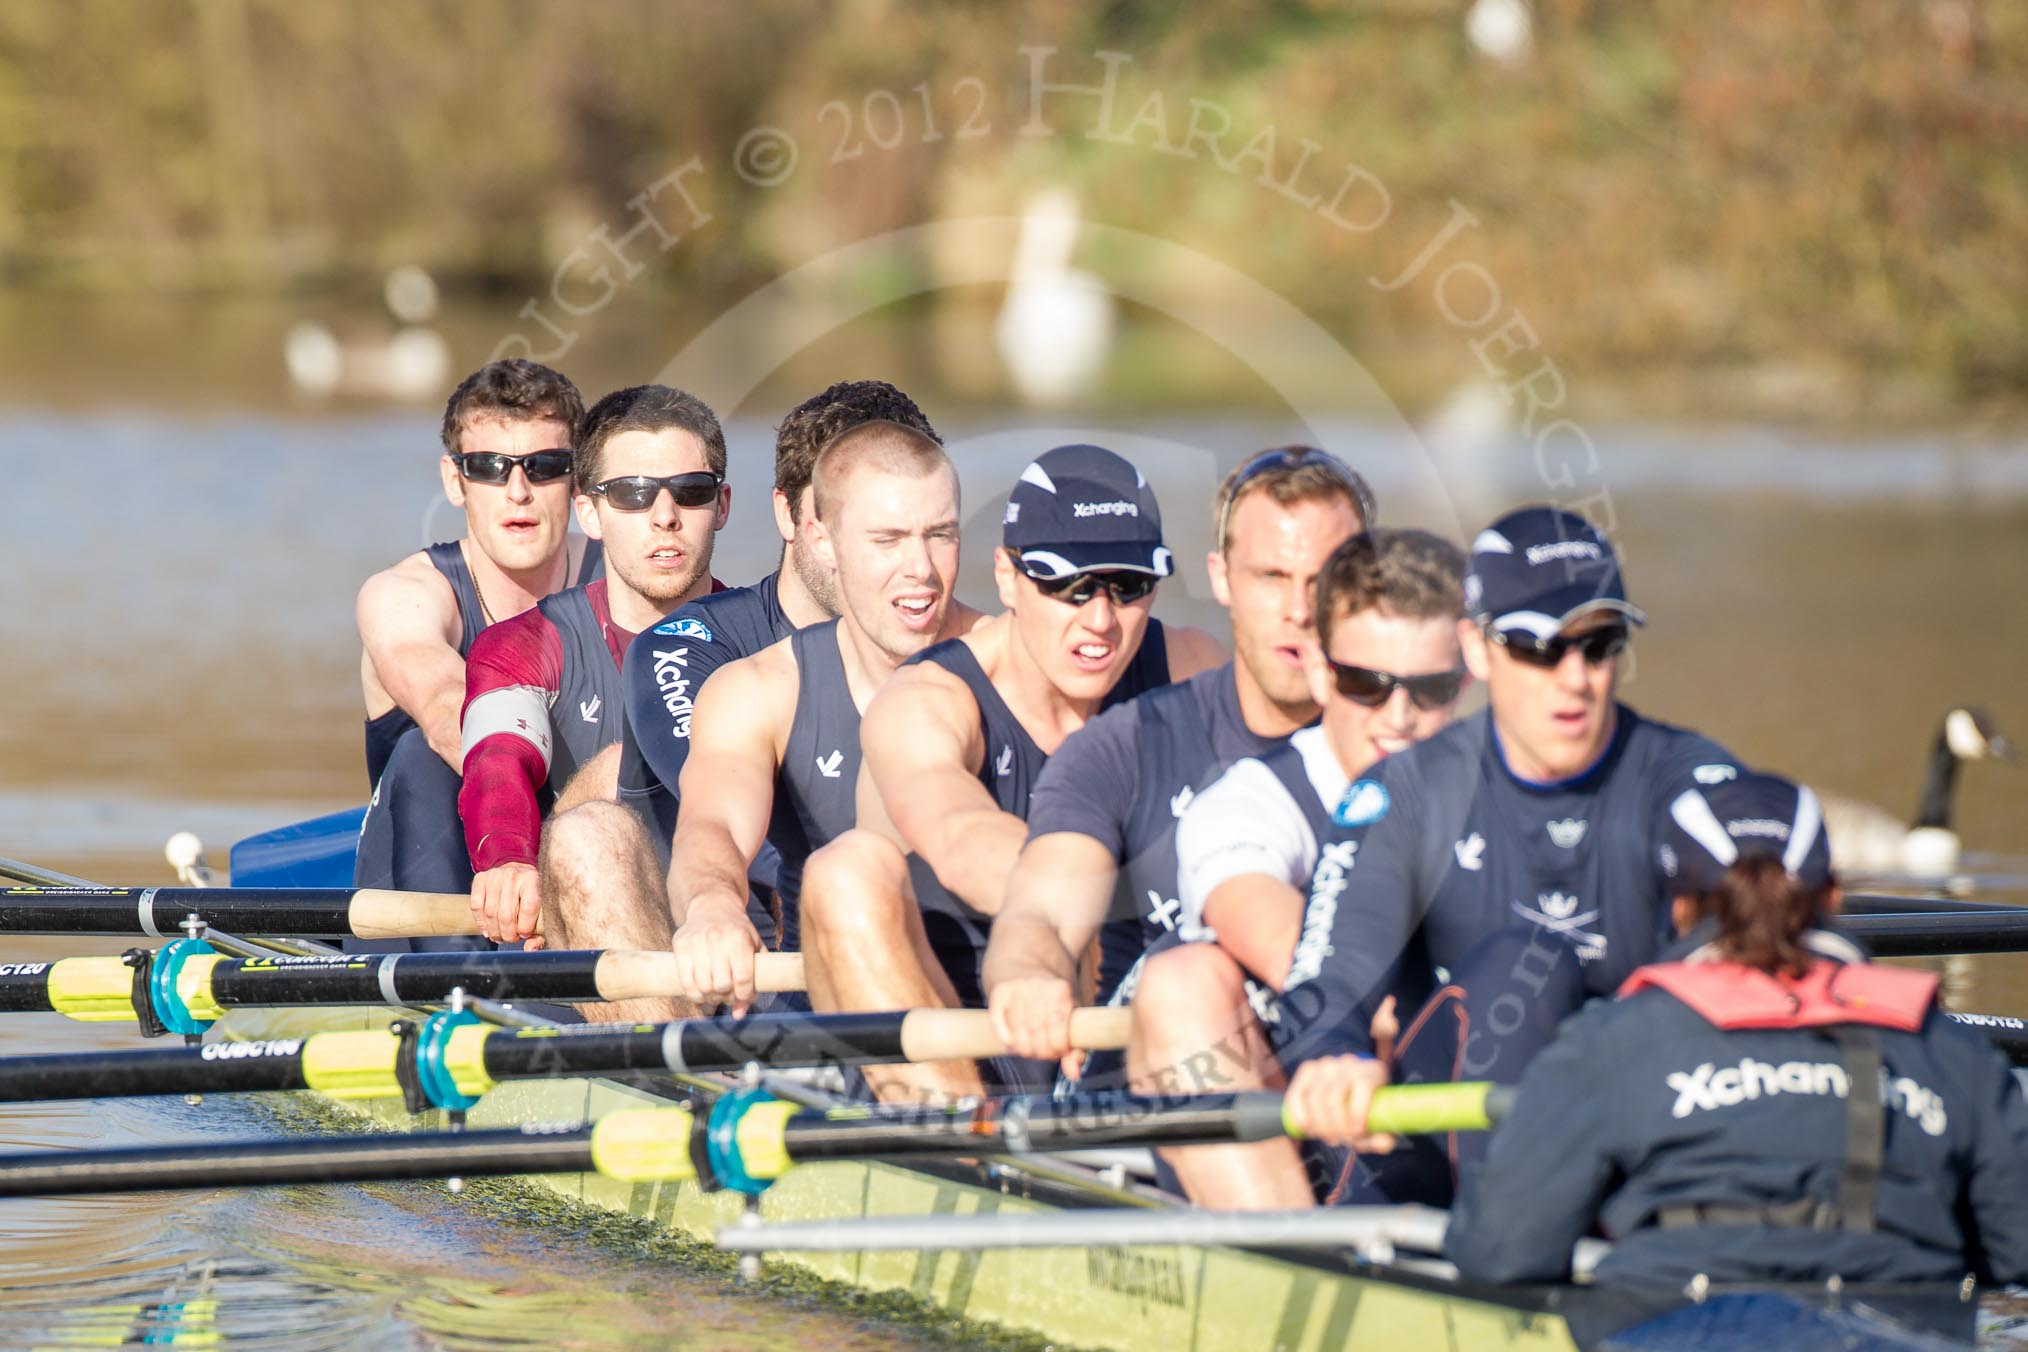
(602, 888)
(864, 949)
(1193, 1032)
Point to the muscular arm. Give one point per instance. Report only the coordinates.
(1258, 920)
(509, 683)
(1063, 884)
(730, 775)
(920, 739)
(1244, 853)
(1056, 899)
(408, 624)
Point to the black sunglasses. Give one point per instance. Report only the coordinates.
(1078, 588)
(1599, 647)
(494, 467)
(637, 492)
(1364, 685)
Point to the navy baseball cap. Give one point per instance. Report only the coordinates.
(1080, 509)
(1539, 568)
(1736, 814)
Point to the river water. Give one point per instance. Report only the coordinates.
(180, 655)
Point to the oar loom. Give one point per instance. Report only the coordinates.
(746, 1141)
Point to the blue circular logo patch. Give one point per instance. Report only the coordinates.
(1365, 803)
(686, 628)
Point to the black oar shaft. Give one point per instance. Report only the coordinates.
(406, 978)
(747, 1142)
(160, 912)
(1862, 904)
(2009, 1034)
(1092, 1121)
(357, 1159)
(363, 1063)
(220, 1068)
(1914, 934)
(24, 986)
(789, 1040)
(101, 988)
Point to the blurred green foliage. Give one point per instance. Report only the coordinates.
(1830, 197)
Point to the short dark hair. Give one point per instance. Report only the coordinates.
(891, 446)
(817, 421)
(1290, 474)
(1407, 573)
(515, 389)
(643, 408)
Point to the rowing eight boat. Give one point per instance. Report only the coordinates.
(1058, 1248)
(1113, 1290)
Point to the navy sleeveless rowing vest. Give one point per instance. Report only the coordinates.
(1286, 763)
(1012, 764)
(664, 670)
(448, 558)
(1189, 734)
(816, 785)
(586, 717)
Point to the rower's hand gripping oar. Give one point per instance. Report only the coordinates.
(746, 1141)
(186, 986)
(449, 1059)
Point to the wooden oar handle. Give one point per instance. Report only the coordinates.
(380, 914)
(967, 1034)
(627, 974)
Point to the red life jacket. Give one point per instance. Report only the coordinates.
(1732, 995)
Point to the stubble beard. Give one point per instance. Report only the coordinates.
(1286, 687)
(817, 580)
(661, 588)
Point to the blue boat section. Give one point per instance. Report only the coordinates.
(315, 853)
(1775, 1319)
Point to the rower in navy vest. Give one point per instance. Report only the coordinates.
(776, 735)
(506, 464)
(1764, 1104)
(896, 913)
(1505, 870)
(1100, 859)
(543, 700)
(663, 675)
(1387, 674)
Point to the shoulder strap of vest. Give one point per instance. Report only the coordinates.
(816, 651)
(1148, 671)
(592, 566)
(1865, 1127)
(1154, 654)
(448, 558)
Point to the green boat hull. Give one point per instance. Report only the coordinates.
(1129, 1297)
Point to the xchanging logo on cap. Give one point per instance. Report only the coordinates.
(1563, 549)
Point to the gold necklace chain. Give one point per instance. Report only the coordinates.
(479, 590)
